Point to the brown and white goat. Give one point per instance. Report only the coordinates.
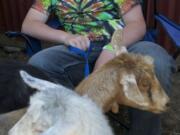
(128, 79)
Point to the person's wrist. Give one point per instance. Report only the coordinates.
(64, 38)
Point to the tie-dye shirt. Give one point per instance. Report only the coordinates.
(95, 18)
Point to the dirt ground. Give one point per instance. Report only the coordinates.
(170, 119)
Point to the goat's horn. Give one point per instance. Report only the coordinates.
(116, 42)
(116, 37)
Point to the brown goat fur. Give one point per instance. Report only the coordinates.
(111, 85)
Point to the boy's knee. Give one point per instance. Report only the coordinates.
(147, 48)
(160, 56)
(38, 61)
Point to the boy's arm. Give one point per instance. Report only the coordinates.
(35, 25)
(133, 31)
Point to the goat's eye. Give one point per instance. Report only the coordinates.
(145, 83)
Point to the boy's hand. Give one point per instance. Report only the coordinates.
(79, 41)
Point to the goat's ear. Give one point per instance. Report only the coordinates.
(36, 83)
(131, 90)
(149, 59)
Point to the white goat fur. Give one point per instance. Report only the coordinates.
(56, 110)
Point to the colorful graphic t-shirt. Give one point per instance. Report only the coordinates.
(95, 18)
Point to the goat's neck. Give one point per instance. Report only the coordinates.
(100, 87)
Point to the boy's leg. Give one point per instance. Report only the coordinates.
(146, 123)
(61, 65)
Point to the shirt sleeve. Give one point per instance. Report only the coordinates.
(43, 6)
(126, 5)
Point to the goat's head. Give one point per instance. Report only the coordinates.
(138, 83)
(141, 89)
(42, 111)
(128, 79)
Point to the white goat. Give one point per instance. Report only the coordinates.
(56, 110)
